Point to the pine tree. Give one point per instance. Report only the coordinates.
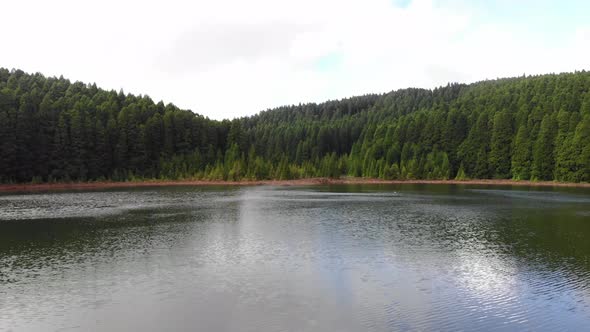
(52, 129)
(581, 143)
(501, 144)
(522, 155)
(543, 158)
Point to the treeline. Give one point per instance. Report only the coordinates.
(527, 128)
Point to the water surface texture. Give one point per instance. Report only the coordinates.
(338, 258)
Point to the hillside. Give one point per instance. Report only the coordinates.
(527, 128)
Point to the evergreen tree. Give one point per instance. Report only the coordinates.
(543, 158)
(501, 145)
(581, 143)
(54, 130)
(522, 155)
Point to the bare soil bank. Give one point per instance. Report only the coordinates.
(298, 182)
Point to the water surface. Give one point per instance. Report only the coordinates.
(323, 258)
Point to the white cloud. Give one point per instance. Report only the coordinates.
(232, 58)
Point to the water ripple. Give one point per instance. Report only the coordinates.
(295, 259)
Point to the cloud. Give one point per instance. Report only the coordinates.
(214, 44)
(231, 58)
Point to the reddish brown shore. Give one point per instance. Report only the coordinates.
(299, 182)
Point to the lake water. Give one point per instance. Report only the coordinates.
(324, 258)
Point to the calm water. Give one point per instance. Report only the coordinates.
(340, 258)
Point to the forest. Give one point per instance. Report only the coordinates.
(524, 128)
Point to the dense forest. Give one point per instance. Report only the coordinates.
(524, 128)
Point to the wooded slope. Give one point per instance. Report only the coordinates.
(523, 128)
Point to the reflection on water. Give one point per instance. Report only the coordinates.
(339, 258)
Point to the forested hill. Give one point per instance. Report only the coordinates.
(523, 128)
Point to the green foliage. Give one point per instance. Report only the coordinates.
(500, 152)
(581, 143)
(528, 127)
(543, 150)
(461, 176)
(522, 155)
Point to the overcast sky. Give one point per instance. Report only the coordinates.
(231, 58)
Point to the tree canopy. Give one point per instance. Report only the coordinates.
(526, 128)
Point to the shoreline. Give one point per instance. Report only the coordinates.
(28, 187)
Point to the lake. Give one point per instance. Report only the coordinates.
(318, 258)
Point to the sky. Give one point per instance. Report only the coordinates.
(232, 58)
